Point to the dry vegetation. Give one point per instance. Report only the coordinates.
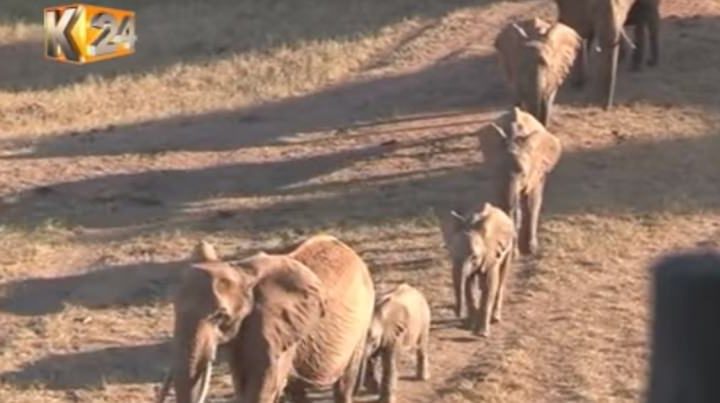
(253, 123)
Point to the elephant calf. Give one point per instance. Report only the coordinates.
(531, 153)
(401, 321)
(480, 245)
(536, 58)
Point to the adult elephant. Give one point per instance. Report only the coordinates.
(602, 21)
(299, 317)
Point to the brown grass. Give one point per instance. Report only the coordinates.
(276, 120)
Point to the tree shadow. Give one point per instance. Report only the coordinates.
(96, 368)
(105, 288)
(196, 32)
(341, 108)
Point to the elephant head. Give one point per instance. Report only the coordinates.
(531, 153)
(467, 251)
(263, 306)
(538, 57)
(211, 303)
(388, 324)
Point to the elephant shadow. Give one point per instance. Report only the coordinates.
(136, 284)
(89, 369)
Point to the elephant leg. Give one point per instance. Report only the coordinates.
(547, 108)
(580, 65)
(487, 300)
(639, 46)
(423, 362)
(523, 229)
(389, 376)
(653, 23)
(471, 281)
(458, 286)
(297, 392)
(373, 373)
(345, 386)
(535, 200)
(236, 370)
(504, 269)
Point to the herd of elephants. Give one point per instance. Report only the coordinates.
(309, 316)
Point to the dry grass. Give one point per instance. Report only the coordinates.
(278, 119)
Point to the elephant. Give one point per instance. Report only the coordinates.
(644, 15)
(531, 153)
(290, 320)
(603, 21)
(480, 245)
(536, 58)
(401, 321)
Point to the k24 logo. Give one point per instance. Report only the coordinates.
(81, 33)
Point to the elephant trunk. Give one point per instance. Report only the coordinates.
(458, 287)
(538, 98)
(461, 276)
(509, 194)
(195, 352)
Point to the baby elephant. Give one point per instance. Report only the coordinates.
(532, 152)
(480, 245)
(536, 58)
(401, 322)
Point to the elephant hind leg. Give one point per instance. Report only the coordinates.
(654, 33)
(345, 386)
(639, 46)
(579, 68)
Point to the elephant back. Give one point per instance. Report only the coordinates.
(498, 232)
(323, 356)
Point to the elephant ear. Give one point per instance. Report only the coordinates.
(395, 317)
(289, 298)
(561, 46)
(451, 223)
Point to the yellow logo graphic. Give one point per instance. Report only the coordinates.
(81, 33)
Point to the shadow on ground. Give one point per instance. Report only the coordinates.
(197, 33)
(96, 368)
(108, 287)
(438, 90)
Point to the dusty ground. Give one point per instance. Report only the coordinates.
(267, 121)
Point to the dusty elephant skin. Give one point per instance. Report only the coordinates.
(480, 246)
(536, 58)
(531, 154)
(302, 314)
(602, 21)
(401, 322)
